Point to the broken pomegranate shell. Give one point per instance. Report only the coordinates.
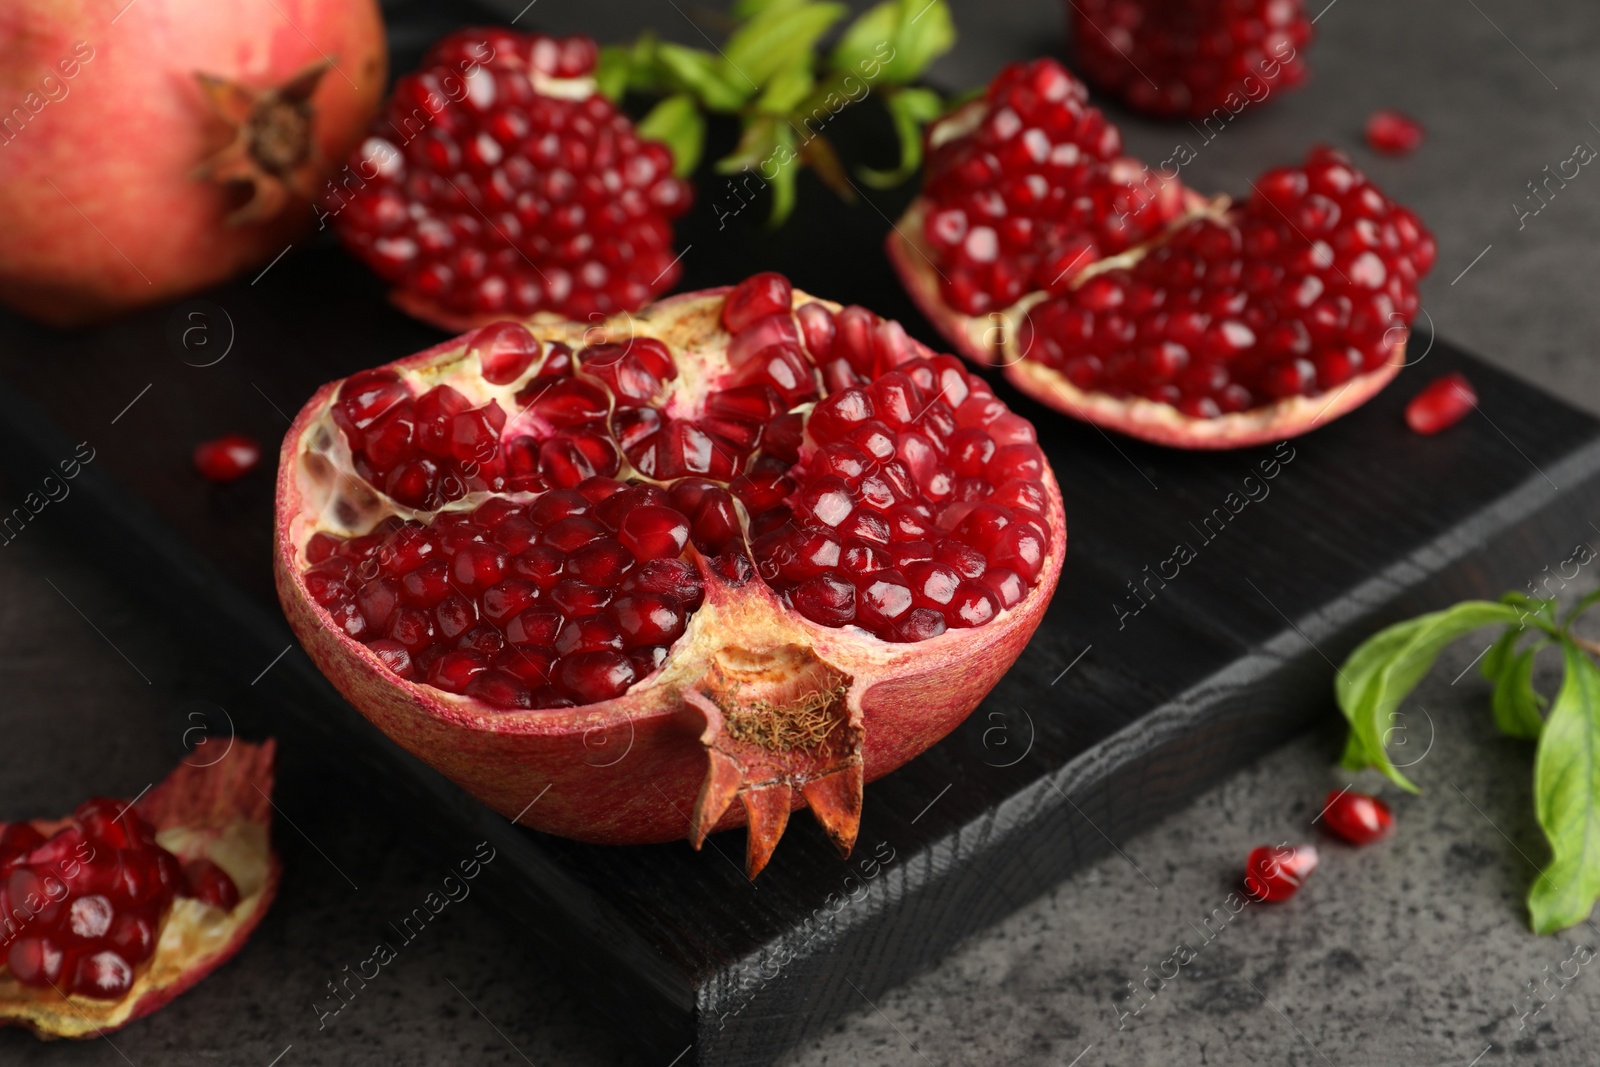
(1146, 309)
(111, 913)
(742, 545)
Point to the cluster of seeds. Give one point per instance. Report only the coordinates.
(863, 479)
(491, 186)
(1310, 283)
(1036, 192)
(82, 910)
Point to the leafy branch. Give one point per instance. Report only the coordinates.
(784, 89)
(1566, 768)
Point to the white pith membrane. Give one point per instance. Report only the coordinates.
(773, 697)
(219, 812)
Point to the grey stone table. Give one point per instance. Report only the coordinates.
(1414, 952)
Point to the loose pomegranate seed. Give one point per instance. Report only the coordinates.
(1393, 133)
(1274, 874)
(94, 896)
(1308, 284)
(902, 498)
(227, 458)
(1195, 58)
(1442, 403)
(1035, 193)
(1358, 818)
(508, 197)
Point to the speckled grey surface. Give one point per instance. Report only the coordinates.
(1414, 952)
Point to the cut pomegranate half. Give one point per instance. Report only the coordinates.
(499, 182)
(109, 914)
(1229, 325)
(743, 545)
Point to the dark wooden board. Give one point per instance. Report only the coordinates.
(1107, 722)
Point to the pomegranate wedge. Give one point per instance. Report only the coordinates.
(1111, 293)
(109, 914)
(744, 545)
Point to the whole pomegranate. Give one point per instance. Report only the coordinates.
(745, 544)
(151, 149)
(499, 182)
(1191, 58)
(1112, 293)
(123, 906)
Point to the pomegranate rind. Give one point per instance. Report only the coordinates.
(221, 812)
(993, 341)
(630, 770)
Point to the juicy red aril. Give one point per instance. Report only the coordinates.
(1312, 282)
(1358, 818)
(1195, 58)
(1037, 191)
(1393, 133)
(1442, 403)
(757, 295)
(1274, 874)
(88, 902)
(227, 458)
(510, 201)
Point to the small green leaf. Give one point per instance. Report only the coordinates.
(895, 41)
(747, 9)
(783, 178)
(677, 122)
(706, 76)
(909, 110)
(1566, 797)
(785, 90)
(1388, 665)
(779, 37)
(612, 72)
(1515, 703)
(757, 144)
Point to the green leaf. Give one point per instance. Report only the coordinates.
(746, 9)
(1515, 703)
(896, 40)
(677, 122)
(910, 110)
(779, 37)
(757, 144)
(707, 76)
(613, 70)
(1566, 791)
(783, 178)
(785, 90)
(1388, 665)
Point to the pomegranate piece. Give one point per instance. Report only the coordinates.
(1191, 58)
(1234, 325)
(123, 906)
(227, 458)
(1441, 404)
(1274, 874)
(499, 183)
(771, 527)
(1393, 133)
(1029, 186)
(1358, 818)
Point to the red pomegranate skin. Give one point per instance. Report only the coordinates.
(103, 210)
(628, 770)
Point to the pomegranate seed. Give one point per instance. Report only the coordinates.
(513, 201)
(757, 295)
(1358, 818)
(227, 458)
(210, 884)
(1441, 404)
(1393, 133)
(1276, 874)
